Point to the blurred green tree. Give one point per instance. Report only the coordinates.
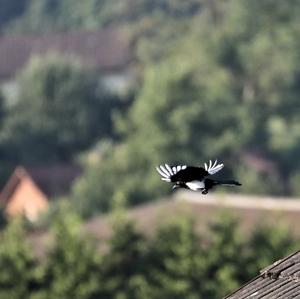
(10, 10)
(171, 121)
(72, 268)
(220, 91)
(85, 193)
(53, 15)
(176, 262)
(3, 217)
(223, 270)
(61, 110)
(124, 266)
(269, 243)
(2, 109)
(17, 264)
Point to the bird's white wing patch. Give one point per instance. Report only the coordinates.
(166, 171)
(213, 168)
(166, 179)
(162, 172)
(169, 169)
(196, 185)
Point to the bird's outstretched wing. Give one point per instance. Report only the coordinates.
(213, 168)
(167, 172)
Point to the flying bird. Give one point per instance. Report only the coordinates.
(194, 178)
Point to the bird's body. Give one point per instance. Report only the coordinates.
(189, 173)
(194, 178)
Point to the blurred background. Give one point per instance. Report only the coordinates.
(94, 94)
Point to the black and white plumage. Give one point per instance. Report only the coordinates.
(194, 178)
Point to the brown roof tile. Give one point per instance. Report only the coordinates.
(280, 280)
(55, 180)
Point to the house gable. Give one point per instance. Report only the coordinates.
(22, 196)
(27, 199)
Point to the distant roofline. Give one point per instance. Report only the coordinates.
(11, 183)
(241, 201)
(106, 49)
(50, 180)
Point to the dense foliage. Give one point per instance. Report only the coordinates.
(224, 85)
(60, 110)
(218, 80)
(49, 15)
(174, 263)
(10, 10)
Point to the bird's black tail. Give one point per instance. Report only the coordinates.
(227, 182)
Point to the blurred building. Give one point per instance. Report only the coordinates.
(28, 191)
(106, 51)
(250, 211)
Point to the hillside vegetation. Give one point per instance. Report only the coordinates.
(215, 80)
(175, 262)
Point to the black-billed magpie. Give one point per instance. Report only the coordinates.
(194, 178)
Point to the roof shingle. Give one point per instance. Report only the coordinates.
(281, 280)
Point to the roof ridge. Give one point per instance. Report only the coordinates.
(243, 201)
(276, 274)
(12, 182)
(267, 273)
